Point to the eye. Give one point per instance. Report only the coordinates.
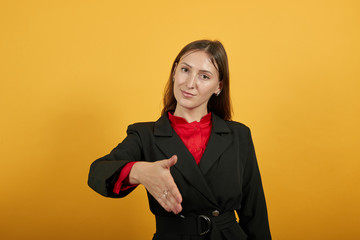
(183, 69)
(203, 76)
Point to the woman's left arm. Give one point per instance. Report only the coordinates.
(253, 216)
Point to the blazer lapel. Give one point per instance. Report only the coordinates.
(218, 142)
(170, 144)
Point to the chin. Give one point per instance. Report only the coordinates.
(186, 105)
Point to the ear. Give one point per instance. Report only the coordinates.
(174, 69)
(219, 88)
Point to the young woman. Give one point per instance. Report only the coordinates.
(197, 165)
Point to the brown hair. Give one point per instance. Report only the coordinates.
(220, 105)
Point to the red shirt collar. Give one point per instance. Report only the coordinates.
(205, 120)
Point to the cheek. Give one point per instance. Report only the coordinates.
(208, 89)
(176, 83)
(179, 78)
(176, 90)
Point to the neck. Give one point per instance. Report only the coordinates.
(190, 115)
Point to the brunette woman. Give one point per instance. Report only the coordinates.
(197, 165)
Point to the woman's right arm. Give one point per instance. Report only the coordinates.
(155, 176)
(105, 171)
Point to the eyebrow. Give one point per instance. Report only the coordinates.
(200, 69)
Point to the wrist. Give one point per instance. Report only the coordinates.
(134, 173)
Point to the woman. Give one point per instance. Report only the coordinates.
(198, 166)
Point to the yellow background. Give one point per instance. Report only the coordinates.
(74, 74)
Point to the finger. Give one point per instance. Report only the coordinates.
(173, 204)
(170, 162)
(162, 201)
(174, 200)
(166, 206)
(174, 191)
(170, 204)
(168, 201)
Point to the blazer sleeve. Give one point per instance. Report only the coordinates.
(253, 216)
(104, 172)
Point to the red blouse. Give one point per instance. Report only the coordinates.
(195, 136)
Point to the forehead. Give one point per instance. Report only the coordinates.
(199, 59)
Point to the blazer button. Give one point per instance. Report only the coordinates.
(215, 213)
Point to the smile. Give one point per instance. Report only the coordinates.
(187, 94)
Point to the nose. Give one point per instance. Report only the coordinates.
(191, 81)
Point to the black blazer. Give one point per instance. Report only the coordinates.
(226, 179)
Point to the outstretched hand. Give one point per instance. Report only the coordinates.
(157, 179)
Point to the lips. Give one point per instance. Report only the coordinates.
(187, 94)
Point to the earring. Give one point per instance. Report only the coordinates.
(218, 93)
(173, 79)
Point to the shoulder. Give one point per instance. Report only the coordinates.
(237, 126)
(236, 129)
(240, 130)
(141, 127)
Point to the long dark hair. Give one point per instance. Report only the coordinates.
(220, 105)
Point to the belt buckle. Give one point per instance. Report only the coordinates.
(207, 224)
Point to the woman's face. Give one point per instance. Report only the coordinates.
(195, 80)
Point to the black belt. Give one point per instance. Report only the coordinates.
(194, 224)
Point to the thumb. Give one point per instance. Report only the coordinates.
(170, 162)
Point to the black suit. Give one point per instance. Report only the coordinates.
(226, 179)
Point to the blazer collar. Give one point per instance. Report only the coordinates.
(163, 126)
(170, 144)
